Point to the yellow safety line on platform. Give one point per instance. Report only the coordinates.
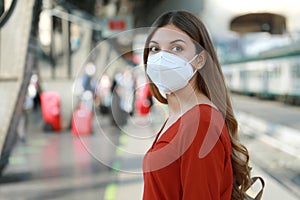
(110, 192)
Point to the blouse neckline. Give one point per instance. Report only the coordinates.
(159, 134)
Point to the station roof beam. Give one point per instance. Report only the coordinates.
(259, 22)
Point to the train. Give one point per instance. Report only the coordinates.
(274, 74)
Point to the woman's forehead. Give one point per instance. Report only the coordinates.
(169, 33)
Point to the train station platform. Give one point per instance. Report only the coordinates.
(107, 164)
(103, 165)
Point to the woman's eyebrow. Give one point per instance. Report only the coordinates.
(174, 41)
(178, 40)
(151, 41)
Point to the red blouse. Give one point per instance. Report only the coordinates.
(191, 160)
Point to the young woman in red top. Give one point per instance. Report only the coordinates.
(196, 154)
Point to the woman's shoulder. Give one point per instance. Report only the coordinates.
(202, 117)
(204, 111)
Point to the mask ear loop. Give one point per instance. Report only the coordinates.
(193, 58)
(190, 62)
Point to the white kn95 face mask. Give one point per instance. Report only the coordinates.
(169, 72)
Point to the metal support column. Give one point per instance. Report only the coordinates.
(52, 49)
(66, 25)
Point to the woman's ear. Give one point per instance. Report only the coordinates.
(201, 60)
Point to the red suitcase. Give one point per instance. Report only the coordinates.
(82, 120)
(50, 102)
(144, 101)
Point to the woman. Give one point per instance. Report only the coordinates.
(196, 154)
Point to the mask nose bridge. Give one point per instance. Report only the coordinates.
(164, 57)
(188, 61)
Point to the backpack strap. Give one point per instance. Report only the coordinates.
(260, 193)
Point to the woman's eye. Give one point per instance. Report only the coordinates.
(177, 48)
(153, 48)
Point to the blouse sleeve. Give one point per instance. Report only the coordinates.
(201, 177)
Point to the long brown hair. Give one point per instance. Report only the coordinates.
(211, 82)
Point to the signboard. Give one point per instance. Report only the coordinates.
(117, 25)
(114, 25)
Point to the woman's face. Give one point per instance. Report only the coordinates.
(173, 40)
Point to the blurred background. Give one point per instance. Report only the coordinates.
(76, 113)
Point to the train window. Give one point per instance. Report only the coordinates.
(274, 72)
(296, 70)
(277, 71)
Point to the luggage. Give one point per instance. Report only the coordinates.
(50, 103)
(82, 120)
(144, 101)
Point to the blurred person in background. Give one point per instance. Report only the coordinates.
(103, 94)
(197, 153)
(119, 114)
(88, 80)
